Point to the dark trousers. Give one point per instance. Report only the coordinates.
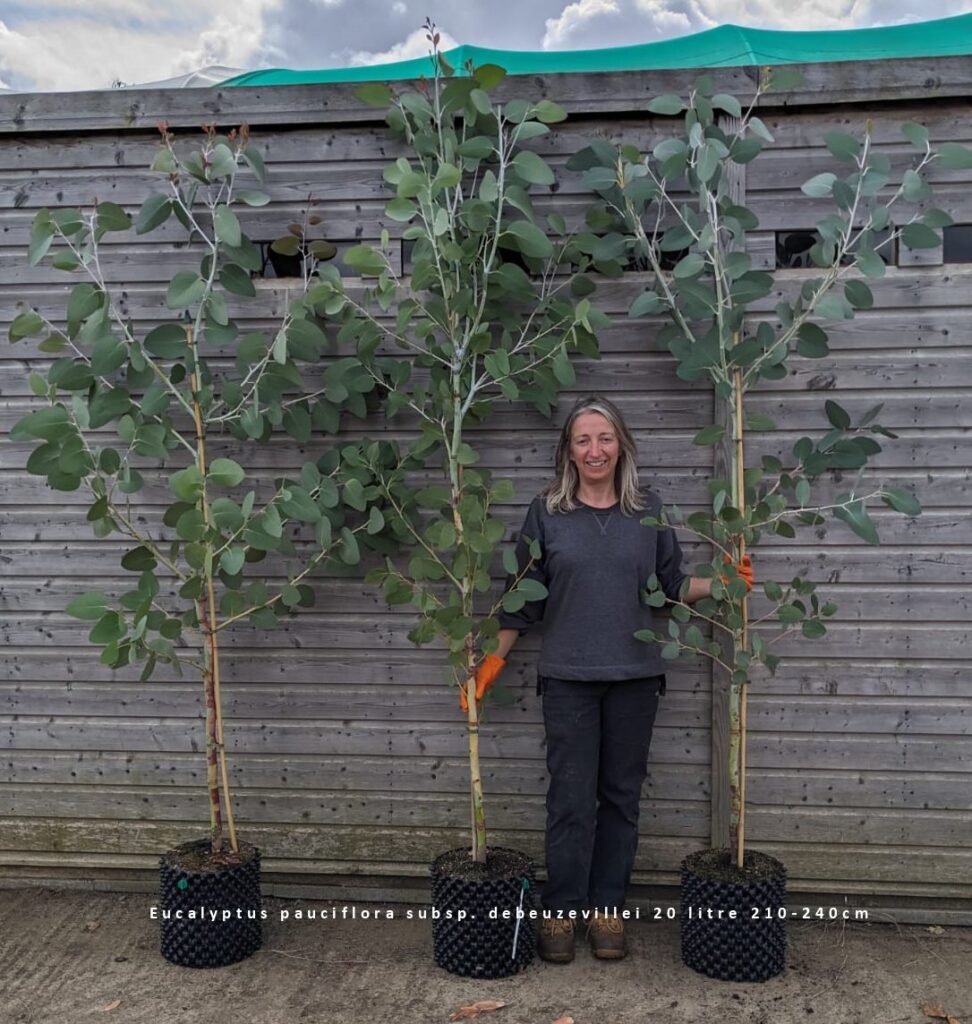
(597, 756)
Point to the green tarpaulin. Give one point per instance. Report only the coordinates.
(726, 46)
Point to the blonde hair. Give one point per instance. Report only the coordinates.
(561, 494)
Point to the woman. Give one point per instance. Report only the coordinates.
(600, 685)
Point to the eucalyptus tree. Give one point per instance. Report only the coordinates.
(492, 307)
(677, 213)
(132, 414)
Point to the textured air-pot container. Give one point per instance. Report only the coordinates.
(470, 935)
(753, 946)
(203, 941)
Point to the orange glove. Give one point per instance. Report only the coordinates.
(487, 674)
(744, 569)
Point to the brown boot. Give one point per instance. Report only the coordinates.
(606, 936)
(555, 942)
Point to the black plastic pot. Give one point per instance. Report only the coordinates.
(201, 941)
(470, 936)
(753, 946)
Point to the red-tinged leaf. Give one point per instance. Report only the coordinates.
(474, 1009)
(113, 1005)
(564, 1020)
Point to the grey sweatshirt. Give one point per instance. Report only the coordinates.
(594, 564)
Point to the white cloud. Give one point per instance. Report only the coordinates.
(572, 19)
(399, 8)
(415, 45)
(71, 52)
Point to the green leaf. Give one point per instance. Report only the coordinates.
(24, 325)
(530, 240)
(902, 501)
(348, 550)
(920, 236)
(185, 288)
(89, 605)
(227, 226)
(532, 168)
(858, 520)
(226, 473)
(955, 157)
(167, 341)
(916, 134)
(834, 307)
(402, 210)
(532, 590)
(139, 559)
(843, 146)
(367, 261)
(723, 101)
(837, 415)
(548, 112)
(155, 211)
(689, 266)
(489, 75)
(813, 629)
(111, 217)
(646, 304)
(374, 94)
(187, 483)
(858, 294)
(252, 197)
(512, 602)
(231, 560)
(819, 185)
(354, 495)
(41, 236)
(667, 104)
(236, 280)
(709, 435)
(108, 628)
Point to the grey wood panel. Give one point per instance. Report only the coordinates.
(323, 808)
(506, 776)
(670, 743)
(898, 603)
(883, 696)
(928, 79)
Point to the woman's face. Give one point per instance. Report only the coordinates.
(594, 448)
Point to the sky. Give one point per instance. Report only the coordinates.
(89, 44)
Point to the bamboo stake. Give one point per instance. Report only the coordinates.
(209, 613)
(741, 485)
(478, 851)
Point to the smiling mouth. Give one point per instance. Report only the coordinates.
(597, 465)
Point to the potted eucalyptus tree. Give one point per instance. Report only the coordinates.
(127, 408)
(483, 316)
(716, 323)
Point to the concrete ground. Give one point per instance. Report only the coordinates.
(67, 957)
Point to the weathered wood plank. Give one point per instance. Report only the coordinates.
(388, 632)
(671, 744)
(903, 791)
(303, 847)
(879, 752)
(869, 826)
(130, 109)
(506, 776)
(322, 807)
(893, 603)
(336, 701)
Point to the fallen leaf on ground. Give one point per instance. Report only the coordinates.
(89, 926)
(935, 929)
(939, 1013)
(564, 1020)
(474, 1009)
(113, 1005)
